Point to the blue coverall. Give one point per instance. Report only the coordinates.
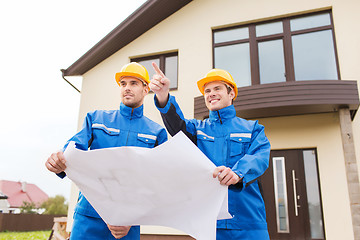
(105, 129)
(236, 143)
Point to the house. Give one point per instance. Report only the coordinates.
(16, 193)
(296, 66)
(3, 202)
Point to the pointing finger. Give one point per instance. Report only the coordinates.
(157, 69)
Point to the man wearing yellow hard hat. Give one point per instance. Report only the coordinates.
(126, 126)
(238, 147)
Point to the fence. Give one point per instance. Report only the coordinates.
(26, 222)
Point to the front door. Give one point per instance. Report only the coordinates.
(291, 192)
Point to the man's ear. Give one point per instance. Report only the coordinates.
(232, 93)
(146, 89)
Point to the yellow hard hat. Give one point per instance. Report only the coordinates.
(133, 69)
(217, 75)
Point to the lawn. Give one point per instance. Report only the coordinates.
(38, 235)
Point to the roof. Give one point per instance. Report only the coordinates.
(144, 18)
(16, 197)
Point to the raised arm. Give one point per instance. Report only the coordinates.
(159, 84)
(171, 113)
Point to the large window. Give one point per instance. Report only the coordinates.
(290, 49)
(168, 64)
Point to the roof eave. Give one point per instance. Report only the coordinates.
(144, 18)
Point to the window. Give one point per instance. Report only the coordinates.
(235, 56)
(281, 199)
(313, 194)
(291, 49)
(168, 64)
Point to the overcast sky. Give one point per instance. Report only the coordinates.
(39, 110)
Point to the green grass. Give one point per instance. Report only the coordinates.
(38, 235)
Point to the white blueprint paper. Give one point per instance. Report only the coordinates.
(170, 185)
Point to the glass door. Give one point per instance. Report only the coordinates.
(291, 192)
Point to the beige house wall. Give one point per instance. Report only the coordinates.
(189, 31)
(345, 14)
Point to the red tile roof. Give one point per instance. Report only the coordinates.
(16, 196)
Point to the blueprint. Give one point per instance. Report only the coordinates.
(170, 185)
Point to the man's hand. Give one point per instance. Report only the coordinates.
(160, 84)
(56, 162)
(119, 231)
(226, 176)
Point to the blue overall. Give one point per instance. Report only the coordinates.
(236, 143)
(105, 129)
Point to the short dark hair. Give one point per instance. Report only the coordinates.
(228, 88)
(228, 91)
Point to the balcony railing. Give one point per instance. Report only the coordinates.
(290, 98)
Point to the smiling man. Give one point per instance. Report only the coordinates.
(238, 147)
(115, 128)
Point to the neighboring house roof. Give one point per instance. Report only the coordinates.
(17, 193)
(144, 18)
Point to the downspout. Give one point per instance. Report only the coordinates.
(63, 76)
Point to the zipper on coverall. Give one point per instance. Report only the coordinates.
(127, 138)
(226, 221)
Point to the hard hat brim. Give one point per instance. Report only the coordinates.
(120, 75)
(202, 82)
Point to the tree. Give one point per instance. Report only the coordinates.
(28, 207)
(55, 205)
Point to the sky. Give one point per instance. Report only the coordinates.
(39, 110)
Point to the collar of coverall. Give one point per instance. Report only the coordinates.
(223, 114)
(130, 113)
